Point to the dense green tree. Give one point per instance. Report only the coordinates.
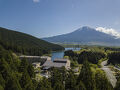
(35, 83)
(26, 82)
(13, 84)
(63, 72)
(4, 69)
(114, 57)
(25, 44)
(9, 74)
(23, 66)
(2, 81)
(30, 70)
(118, 84)
(80, 86)
(1, 87)
(44, 85)
(91, 56)
(102, 82)
(56, 76)
(86, 76)
(70, 82)
(70, 53)
(112, 48)
(58, 86)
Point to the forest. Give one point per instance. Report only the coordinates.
(92, 57)
(22, 43)
(95, 55)
(18, 74)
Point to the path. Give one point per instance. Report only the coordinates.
(109, 73)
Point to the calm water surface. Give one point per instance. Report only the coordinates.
(60, 54)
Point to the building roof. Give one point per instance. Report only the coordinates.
(48, 63)
(61, 59)
(53, 64)
(42, 57)
(23, 56)
(36, 63)
(46, 57)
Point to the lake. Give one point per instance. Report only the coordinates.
(60, 54)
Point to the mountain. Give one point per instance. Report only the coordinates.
(86, 35)
(24, 43)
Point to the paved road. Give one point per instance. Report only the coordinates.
(109, 73)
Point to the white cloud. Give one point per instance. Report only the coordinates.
(110, 31)
(36, 1)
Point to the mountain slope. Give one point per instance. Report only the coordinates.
(85, 35)
(24, 43)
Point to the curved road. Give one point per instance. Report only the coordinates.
(109, 73)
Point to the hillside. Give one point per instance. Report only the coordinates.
(16, 74)
(24, 43)
(86, 35)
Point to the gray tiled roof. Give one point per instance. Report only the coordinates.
(53, 64)
(60, 59)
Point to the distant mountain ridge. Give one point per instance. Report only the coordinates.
(87, 36)
(25, 43)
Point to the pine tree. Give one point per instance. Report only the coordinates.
(30, 70)
(80, 86)
(4, 69)
(58, 86)
(26, 82)
(1, 87)
(44, 84)
(2, 81)
(70, 81)
(102, 82)
(56, 76)
(24, 65)
(13, 84)
(118, 85)
(86, 76)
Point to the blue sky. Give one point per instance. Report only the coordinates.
(43, 18)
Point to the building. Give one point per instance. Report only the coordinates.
(33, 59)
(36, 64)
(58, 63)
(45, 57)
(46, 62)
